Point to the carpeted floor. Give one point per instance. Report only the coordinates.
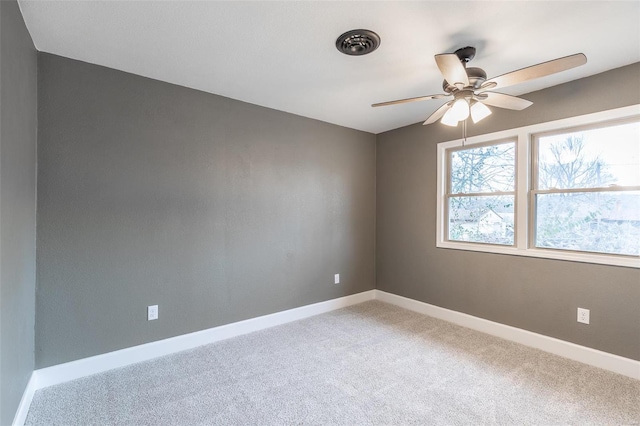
(369, 364)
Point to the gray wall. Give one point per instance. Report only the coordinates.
(217, 210)
(539, 295)
(18, 124)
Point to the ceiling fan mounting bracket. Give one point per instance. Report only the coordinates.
(465, 54)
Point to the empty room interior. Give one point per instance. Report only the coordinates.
(310, 212)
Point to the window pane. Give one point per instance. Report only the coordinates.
(483, 169)
(486, 219)
(603, 222)
(590, 158)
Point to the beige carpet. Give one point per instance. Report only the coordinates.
(370, 364)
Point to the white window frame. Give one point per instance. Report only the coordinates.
(448, 195)
(522, 220)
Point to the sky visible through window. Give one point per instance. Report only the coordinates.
(616, 149)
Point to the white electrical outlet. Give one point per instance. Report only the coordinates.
(583, 315)
(336, 279)
(152, 313)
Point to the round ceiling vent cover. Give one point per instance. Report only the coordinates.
(358, 42)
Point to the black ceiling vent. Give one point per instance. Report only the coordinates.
(358, 42)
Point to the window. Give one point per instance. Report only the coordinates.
(568, 189)
(481, 194)
(586, 189)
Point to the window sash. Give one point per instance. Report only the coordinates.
(449, 194)
(535, 150)
(533, 220)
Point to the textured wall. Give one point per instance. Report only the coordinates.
(539, 295)
(217, 210)
(18, 124)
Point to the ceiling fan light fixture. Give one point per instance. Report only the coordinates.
(459, 111)
(479, 111)
(449, 119)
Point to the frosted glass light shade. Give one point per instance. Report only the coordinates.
(459, 111)
(479, 111)
(449, 119)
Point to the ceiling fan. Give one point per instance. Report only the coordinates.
(469, 86)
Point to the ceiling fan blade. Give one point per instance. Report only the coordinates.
(402, 101)
(438, 113)
(540, 70)
(452, 69)
(501, 100)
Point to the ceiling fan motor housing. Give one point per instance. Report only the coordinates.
(477, 76)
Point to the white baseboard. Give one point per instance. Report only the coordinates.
(62, 373)
(594, 357)
(25, 402)
(121, 358)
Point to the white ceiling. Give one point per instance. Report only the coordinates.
(282, 55)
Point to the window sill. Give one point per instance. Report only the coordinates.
(601, 259)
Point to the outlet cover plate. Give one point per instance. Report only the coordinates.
(583, 315)
(336, 279)
(152, 312)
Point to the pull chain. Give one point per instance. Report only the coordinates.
(464, 132)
